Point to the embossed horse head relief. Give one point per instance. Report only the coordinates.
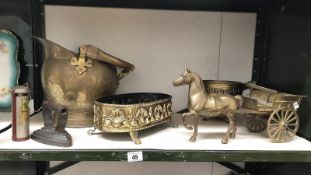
(203, 104)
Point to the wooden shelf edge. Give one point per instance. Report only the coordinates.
(157, 155)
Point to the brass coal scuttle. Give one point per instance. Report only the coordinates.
(75, 80)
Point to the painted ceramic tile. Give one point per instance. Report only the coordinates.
(9, 67)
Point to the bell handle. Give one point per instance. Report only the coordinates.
(97, 54)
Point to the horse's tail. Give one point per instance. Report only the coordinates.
(239, 99)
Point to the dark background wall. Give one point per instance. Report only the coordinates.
(288, 69)
(289, 55)
(17, 168)
(16, 16)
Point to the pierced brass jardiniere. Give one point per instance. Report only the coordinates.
(131, 112)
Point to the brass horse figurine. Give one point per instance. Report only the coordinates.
(202, 104)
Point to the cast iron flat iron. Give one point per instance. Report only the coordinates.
(51, 134)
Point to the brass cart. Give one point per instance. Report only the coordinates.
(279, 108)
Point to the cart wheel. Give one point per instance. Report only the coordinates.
(255, 123)
(283, 124)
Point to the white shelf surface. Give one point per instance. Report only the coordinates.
(161, 137)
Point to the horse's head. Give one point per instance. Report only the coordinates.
(184, 79)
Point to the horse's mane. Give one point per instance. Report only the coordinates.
(198, 80)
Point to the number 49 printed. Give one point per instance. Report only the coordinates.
(135, 156)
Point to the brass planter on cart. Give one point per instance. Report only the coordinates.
(131, 112)
(223, 87)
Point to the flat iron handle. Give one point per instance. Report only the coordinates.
(60, 114)
(47, 115)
